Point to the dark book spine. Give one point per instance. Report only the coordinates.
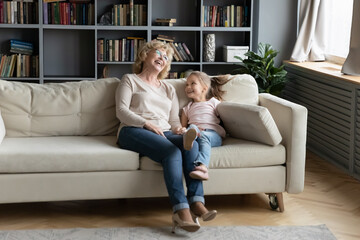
(188, 52)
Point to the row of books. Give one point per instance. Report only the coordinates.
(19, 65)
(21, 47)
(118, 50)
(69, 13)
(19, 12)
(181, 51)
(129, 14)
(175, 75)
(225, 16)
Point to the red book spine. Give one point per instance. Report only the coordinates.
(67, 13)
(61, 13)
(1, 12)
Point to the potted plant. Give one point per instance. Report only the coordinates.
(269, 78)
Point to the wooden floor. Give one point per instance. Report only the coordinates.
(330, 197)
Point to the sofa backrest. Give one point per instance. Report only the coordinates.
(86, 107)
(241, 88)
(55, 109)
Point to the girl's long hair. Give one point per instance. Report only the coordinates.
(213, 84)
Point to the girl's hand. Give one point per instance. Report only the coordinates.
(180, 130)
(154, 128)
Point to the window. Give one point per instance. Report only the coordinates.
(338, 29)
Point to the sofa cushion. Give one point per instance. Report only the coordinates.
(241, 88)
(58, 109)
(249, 122)
(2, 128)
(65, 154)
(235, 153)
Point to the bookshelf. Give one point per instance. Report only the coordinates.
(69, 52)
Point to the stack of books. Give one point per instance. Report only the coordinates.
(181, 51)
(165, 21)
(21, 47)
(20, 64)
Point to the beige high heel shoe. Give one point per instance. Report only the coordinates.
(187, 226)
(210, 215)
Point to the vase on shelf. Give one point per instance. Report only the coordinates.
(209, 48)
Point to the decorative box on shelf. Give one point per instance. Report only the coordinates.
(231, 51)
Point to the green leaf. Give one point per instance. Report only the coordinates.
(262, 67)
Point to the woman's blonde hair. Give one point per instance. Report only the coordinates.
(143, 52)
(213, 84)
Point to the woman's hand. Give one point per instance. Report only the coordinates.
(154, 128)
(180, 130)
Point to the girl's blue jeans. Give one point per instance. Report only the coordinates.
(175, 160)
(208, 138)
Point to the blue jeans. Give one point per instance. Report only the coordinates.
(170, 153)
(208, 138)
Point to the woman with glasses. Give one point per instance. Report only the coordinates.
(148, 110)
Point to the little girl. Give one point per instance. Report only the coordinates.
(202, 119)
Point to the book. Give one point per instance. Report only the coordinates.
(2, 60)
(116, 45)
(45, 11)
(165, 21)
(110, 51)
(131, 58)
(213, 16)
(245, 22)
(106, 50)
(232, 16)
(18, 66)
(3, 65)
(188, 52)
(131, 5)
(120, 50)
(2, 12)
(123, 59)
(165, 38)
(127, 48)
(182, 54)
(176, 53)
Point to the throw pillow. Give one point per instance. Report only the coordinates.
(249, 122)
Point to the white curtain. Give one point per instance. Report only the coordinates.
(310, 44)
(352, 62)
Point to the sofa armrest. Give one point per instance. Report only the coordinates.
(2, 129)
(291, 119)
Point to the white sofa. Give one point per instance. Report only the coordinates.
(60, 144)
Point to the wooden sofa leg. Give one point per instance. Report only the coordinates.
(276, 201)
(280, 199)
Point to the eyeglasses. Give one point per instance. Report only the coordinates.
(162, 55)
